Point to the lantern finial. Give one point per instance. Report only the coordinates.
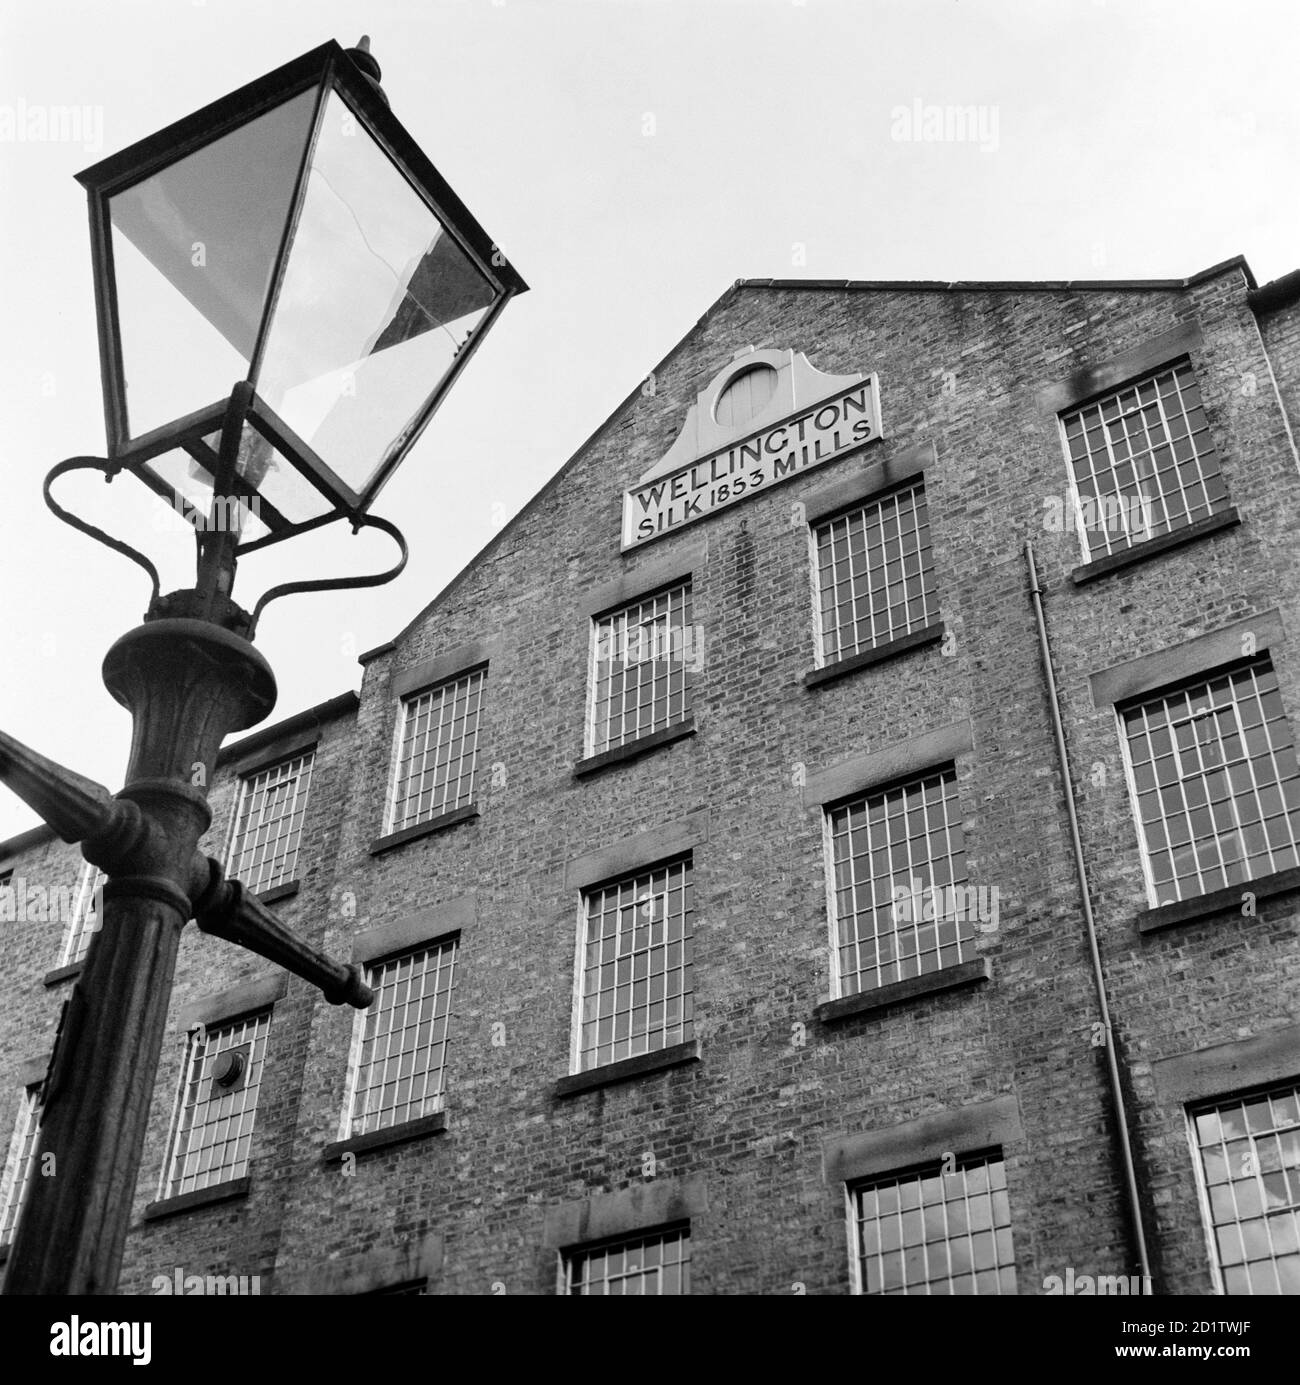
(365, 60)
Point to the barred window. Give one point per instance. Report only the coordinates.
(86, 916)
(655, 1263)
(901, 907)
(1142, 462)
(943, 1229)
(1248, 1164)
(438, 750)
(874, 575)
(1215, 783)
(400, 1070)
(637, 966)
(640, 671)
(20, 1163)
(268, 824)
(213, 1128)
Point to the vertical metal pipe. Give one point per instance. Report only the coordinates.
(1112, 1063)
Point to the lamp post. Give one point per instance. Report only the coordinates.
(285, 290)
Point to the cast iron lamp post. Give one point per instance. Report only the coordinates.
(285, 291)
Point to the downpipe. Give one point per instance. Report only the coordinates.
(1112, 1064)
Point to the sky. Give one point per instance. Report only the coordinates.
(633, 158)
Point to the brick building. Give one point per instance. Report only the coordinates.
(708, 843)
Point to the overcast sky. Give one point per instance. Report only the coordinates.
(633, 158)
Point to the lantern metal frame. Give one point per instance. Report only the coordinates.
(329, 68)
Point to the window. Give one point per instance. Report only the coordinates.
(1213, 774)
(636, 966)
(86, 916)
(1248, 1166)
(874, 575)
(746, 396)
(217, 1105)
(654, 1263)
(943, 1229)
(438, 750)
(268, 824)
(19, 1164)
(640, 682)
(400, 1069)
(1142, 462)
(898, 857)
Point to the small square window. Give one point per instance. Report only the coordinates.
(640, 669)
(20, 1163)
(1214, 782)
(874, 575)
(652, 1263)
(438, 750)
(217, 1105)
(899, 897)
(1248, 1166)
(268, 824)
(1142, 462)
(635, 969)
(399, 1073)
(942, 1229)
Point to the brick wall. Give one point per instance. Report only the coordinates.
(958, 369)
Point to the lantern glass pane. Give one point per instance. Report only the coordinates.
(375, 301)
(194, 248)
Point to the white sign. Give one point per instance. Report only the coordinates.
(818, 433)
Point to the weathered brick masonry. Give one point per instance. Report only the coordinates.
(742, 1135)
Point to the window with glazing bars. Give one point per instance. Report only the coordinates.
(898, 857)
(268, 825)
(936, 1232)
(1142, 462)
(214, 1125)
(636, 969)
(86, 916)
(1248, 1163)
(19, 1164)
(874, 575)
(640, 669)
(654, 1263)
(401, 1063)
(1215, 783)
(438, 750)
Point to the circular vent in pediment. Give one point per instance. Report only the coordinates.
(746, 396)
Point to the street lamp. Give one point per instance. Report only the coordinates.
(286, 289)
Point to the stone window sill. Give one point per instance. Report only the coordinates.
(1211, 524)
(389, 1135)
(971, 973)
(423, 829)
(633, 749)
(203, 1197)
(1217, 901)
(278, 892)
(626, 1068)
(929, 634)
(52, 978)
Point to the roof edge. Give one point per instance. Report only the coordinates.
(1277, 293)
(322, 712)
(1003, 285)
